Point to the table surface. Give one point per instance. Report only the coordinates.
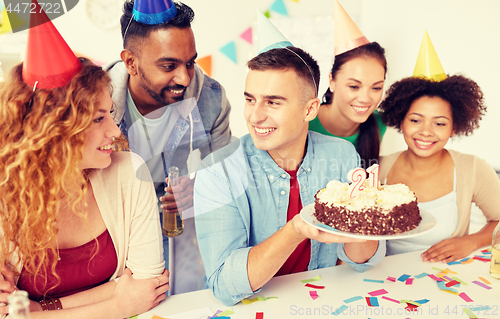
(342, 282)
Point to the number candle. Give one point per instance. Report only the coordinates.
(357, 177)
(374, 175)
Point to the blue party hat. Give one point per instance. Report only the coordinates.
(154, 11)
(268, 36)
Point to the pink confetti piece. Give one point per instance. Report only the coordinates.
(435, 278)
(391, 279)
(313, 294)
(377, 292)
(447, 278)
(390, 299)
(314, 286)
(409, 281)
(464, 296)
(481, 284)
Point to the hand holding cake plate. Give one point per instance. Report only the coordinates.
(428, 222)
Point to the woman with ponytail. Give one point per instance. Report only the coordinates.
(349, 105)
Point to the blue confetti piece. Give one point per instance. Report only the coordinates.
(424, 274)
(465, 259)
(454, 263)
(375, 281)
(374, 301)
(339, 310)
(422, 301)
(353, 299)
(483, 308)
(403, 278)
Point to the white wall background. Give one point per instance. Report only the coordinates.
(465, 34)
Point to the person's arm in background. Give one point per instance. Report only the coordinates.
(486, 197)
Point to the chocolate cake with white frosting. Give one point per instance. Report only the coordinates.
(387, 210)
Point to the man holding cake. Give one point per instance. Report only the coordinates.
(248, 195)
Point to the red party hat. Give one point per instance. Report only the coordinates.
(49, 60)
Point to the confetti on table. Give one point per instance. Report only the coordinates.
(249, 301)
(462, 282)
(313, 294)
(409, 281)
(449, 271)
(421, 275)
(481, 284)
(305, 281)
(314, 286)
(447, 278)
(469, 313)
(450, 292)
(373, 280)
(403, 278)
(442, 286)
(352, 299)
(135, 317)
(468, 261)
(372, 301)
(485, 281)
(411, 307)
(377, 292)
(391, 279)
(153, 317)
(482, 259)
(422, 301)
(464, 296)
(411, 302)
(264, 299)
(487, 250)
(338, 311)
(435, 278)
(435, 268)
(465, 259)
(216, 313)
(480, 308)
(454, 263)
(226, 312)
(259, 315)
(390, 299)
(452, 283)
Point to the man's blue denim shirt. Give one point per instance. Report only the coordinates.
(241, 198)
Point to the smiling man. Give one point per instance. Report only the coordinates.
(167, 108)
(248, 195)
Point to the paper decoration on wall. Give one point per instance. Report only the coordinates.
(428, 65)
(247, 35)
(229, 50)
(4, 22)
(279, 6)
(205, 63)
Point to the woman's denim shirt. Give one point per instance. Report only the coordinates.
(241, 198)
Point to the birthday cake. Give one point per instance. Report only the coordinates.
(382, 210)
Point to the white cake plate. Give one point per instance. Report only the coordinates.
(427, 223)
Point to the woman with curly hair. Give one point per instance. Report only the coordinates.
(76, 220)
(445, 182)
